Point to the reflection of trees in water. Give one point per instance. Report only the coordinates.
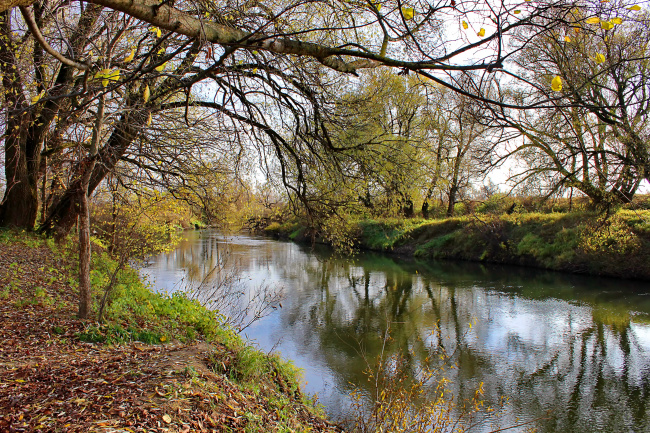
(547, 340)
(213, 276)
(587, 368)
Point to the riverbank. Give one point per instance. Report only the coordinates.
(578, 242)
(157, 364)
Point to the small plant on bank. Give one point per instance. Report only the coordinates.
(409, 395)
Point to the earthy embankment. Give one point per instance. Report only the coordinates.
(204, 378)
(581, 242)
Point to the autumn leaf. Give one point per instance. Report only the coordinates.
(592, 20)
(146, 94)
(635, 8)
(481, 32)
(408, 13)
(617, 20)
(517, 11)
(130, 57)
(600, 58)
(465, 25)
(149, 120)
(606, 25)
(567, 39)
(38, 97)
(103, 73)
(167, 418)
(556, 84)
(161, 67)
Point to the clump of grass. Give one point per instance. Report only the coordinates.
(246, 364)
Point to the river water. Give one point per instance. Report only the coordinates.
(571, 353)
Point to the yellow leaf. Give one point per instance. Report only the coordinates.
(158, 33)
(576, 29)
(113, 75)
(592, 20)
(600, 58)
(161, 67)
(567, 39)
(130, 57)
(105, 82)
(103, 73)
(606, 25)
(556, 84)
(517, 11)
(408, 13)
(167, 418)
(481, 32)
(254, 70)
(635, 8)
(146, 94)
(161, 51)
(149, 119)
(38, 97)
(465, 26)
(617, 20)
(378, 5)
(163, 339)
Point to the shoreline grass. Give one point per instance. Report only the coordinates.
(584, 242)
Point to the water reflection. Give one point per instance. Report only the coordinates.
(577, 346)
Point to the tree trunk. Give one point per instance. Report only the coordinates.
(425, 208)
(27, 126)
(20, 202)
(84, 217)
(63, 212)
(84, 256)
(452, 200)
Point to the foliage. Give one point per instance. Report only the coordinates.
(415, 398)
(139, 224)
(583, 242)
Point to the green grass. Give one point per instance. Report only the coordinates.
(269, 384)
(581, 241)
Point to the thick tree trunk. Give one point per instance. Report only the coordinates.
(452, 200)
(425, 208)
(20, 202)
(27, 126)
(63, 213)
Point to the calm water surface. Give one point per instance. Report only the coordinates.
(577, 348)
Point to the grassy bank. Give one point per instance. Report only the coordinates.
(157, 363)
(580, 242)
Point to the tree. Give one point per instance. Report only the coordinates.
(594, 135)
(342, 36)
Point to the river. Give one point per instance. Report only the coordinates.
(572, 353)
